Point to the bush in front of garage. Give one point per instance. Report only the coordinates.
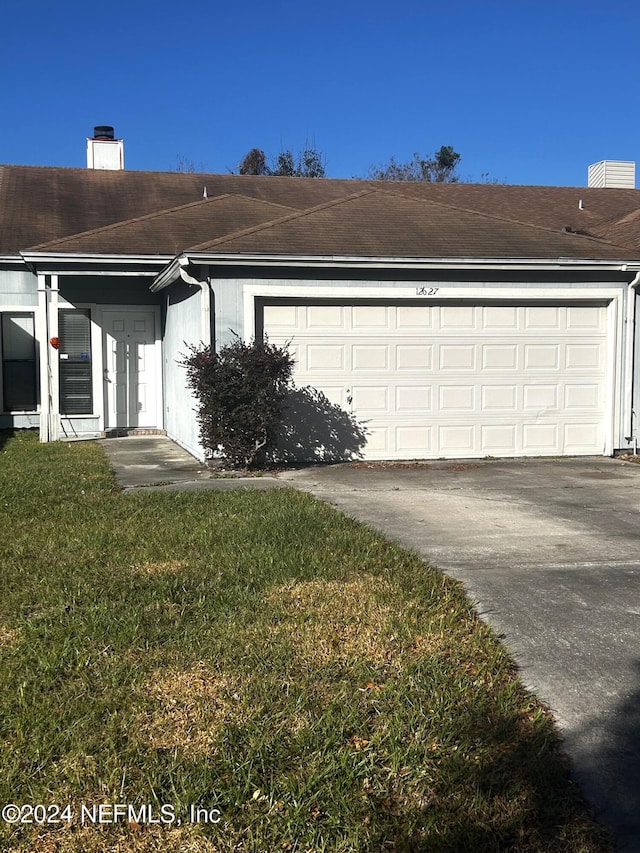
(241, 392)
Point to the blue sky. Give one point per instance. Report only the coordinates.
(529, 92)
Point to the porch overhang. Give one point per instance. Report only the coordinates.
(65, 263)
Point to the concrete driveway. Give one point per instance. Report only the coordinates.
(549, 550)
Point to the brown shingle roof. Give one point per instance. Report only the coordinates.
(383, 223)
(39, 204)
(625, 230)
(581, 209)
(169, 231)
(105, 212)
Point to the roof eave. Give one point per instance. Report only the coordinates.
(59, 261)
(171, 272)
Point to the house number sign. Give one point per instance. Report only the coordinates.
(426, 291)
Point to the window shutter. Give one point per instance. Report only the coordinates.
(18, 363)
(76, 387)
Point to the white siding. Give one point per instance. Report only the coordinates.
(18, 288)
(183, 327)
(616, 174)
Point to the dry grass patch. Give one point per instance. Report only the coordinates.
(339, 620)
(195, 704)
(332, 620)
(123, 838)
(164, 608)
(9, 636)
(77, 765)
(160, 567)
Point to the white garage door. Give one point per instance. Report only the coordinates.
(431, 381)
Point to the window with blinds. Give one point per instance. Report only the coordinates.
(19, 375)
(76, 387)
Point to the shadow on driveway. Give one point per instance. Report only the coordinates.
(606, 757)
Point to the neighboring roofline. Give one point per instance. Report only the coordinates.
(172, 271)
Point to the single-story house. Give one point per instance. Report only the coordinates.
(451, 320)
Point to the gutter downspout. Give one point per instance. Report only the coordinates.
(629, 361)
(205, 302)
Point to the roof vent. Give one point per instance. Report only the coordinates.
(618, 174)
(103, 150)
(103, 131)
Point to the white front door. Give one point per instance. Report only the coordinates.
(130, 369)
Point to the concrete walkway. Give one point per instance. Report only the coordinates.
(155, 462)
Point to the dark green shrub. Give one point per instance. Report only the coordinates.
(241, 391)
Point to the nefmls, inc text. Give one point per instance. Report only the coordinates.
(108, 813)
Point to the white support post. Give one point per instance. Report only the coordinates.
(42, 337)
(54, 362)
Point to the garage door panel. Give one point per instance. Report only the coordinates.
(540, 438)
(414, 357)
(542, 317)
(279, 317)
(414, 317)
(430, 381)
(321, 358)
(499, 439)
(370, 316)
(458, 317)
(583, 397)
(456, 440)
(578, 438)
(582, 317)
(540, 397)
(412, 399)
(414, 440)
(323, 316)
(371, 398)
(500, 356)
(457, 357)
(370, 357)
(499, 397)
(541, 357)
(457, 398)
(378, 446)
(500, 317)
(583, 356)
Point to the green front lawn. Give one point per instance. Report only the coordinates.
(291, 674)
